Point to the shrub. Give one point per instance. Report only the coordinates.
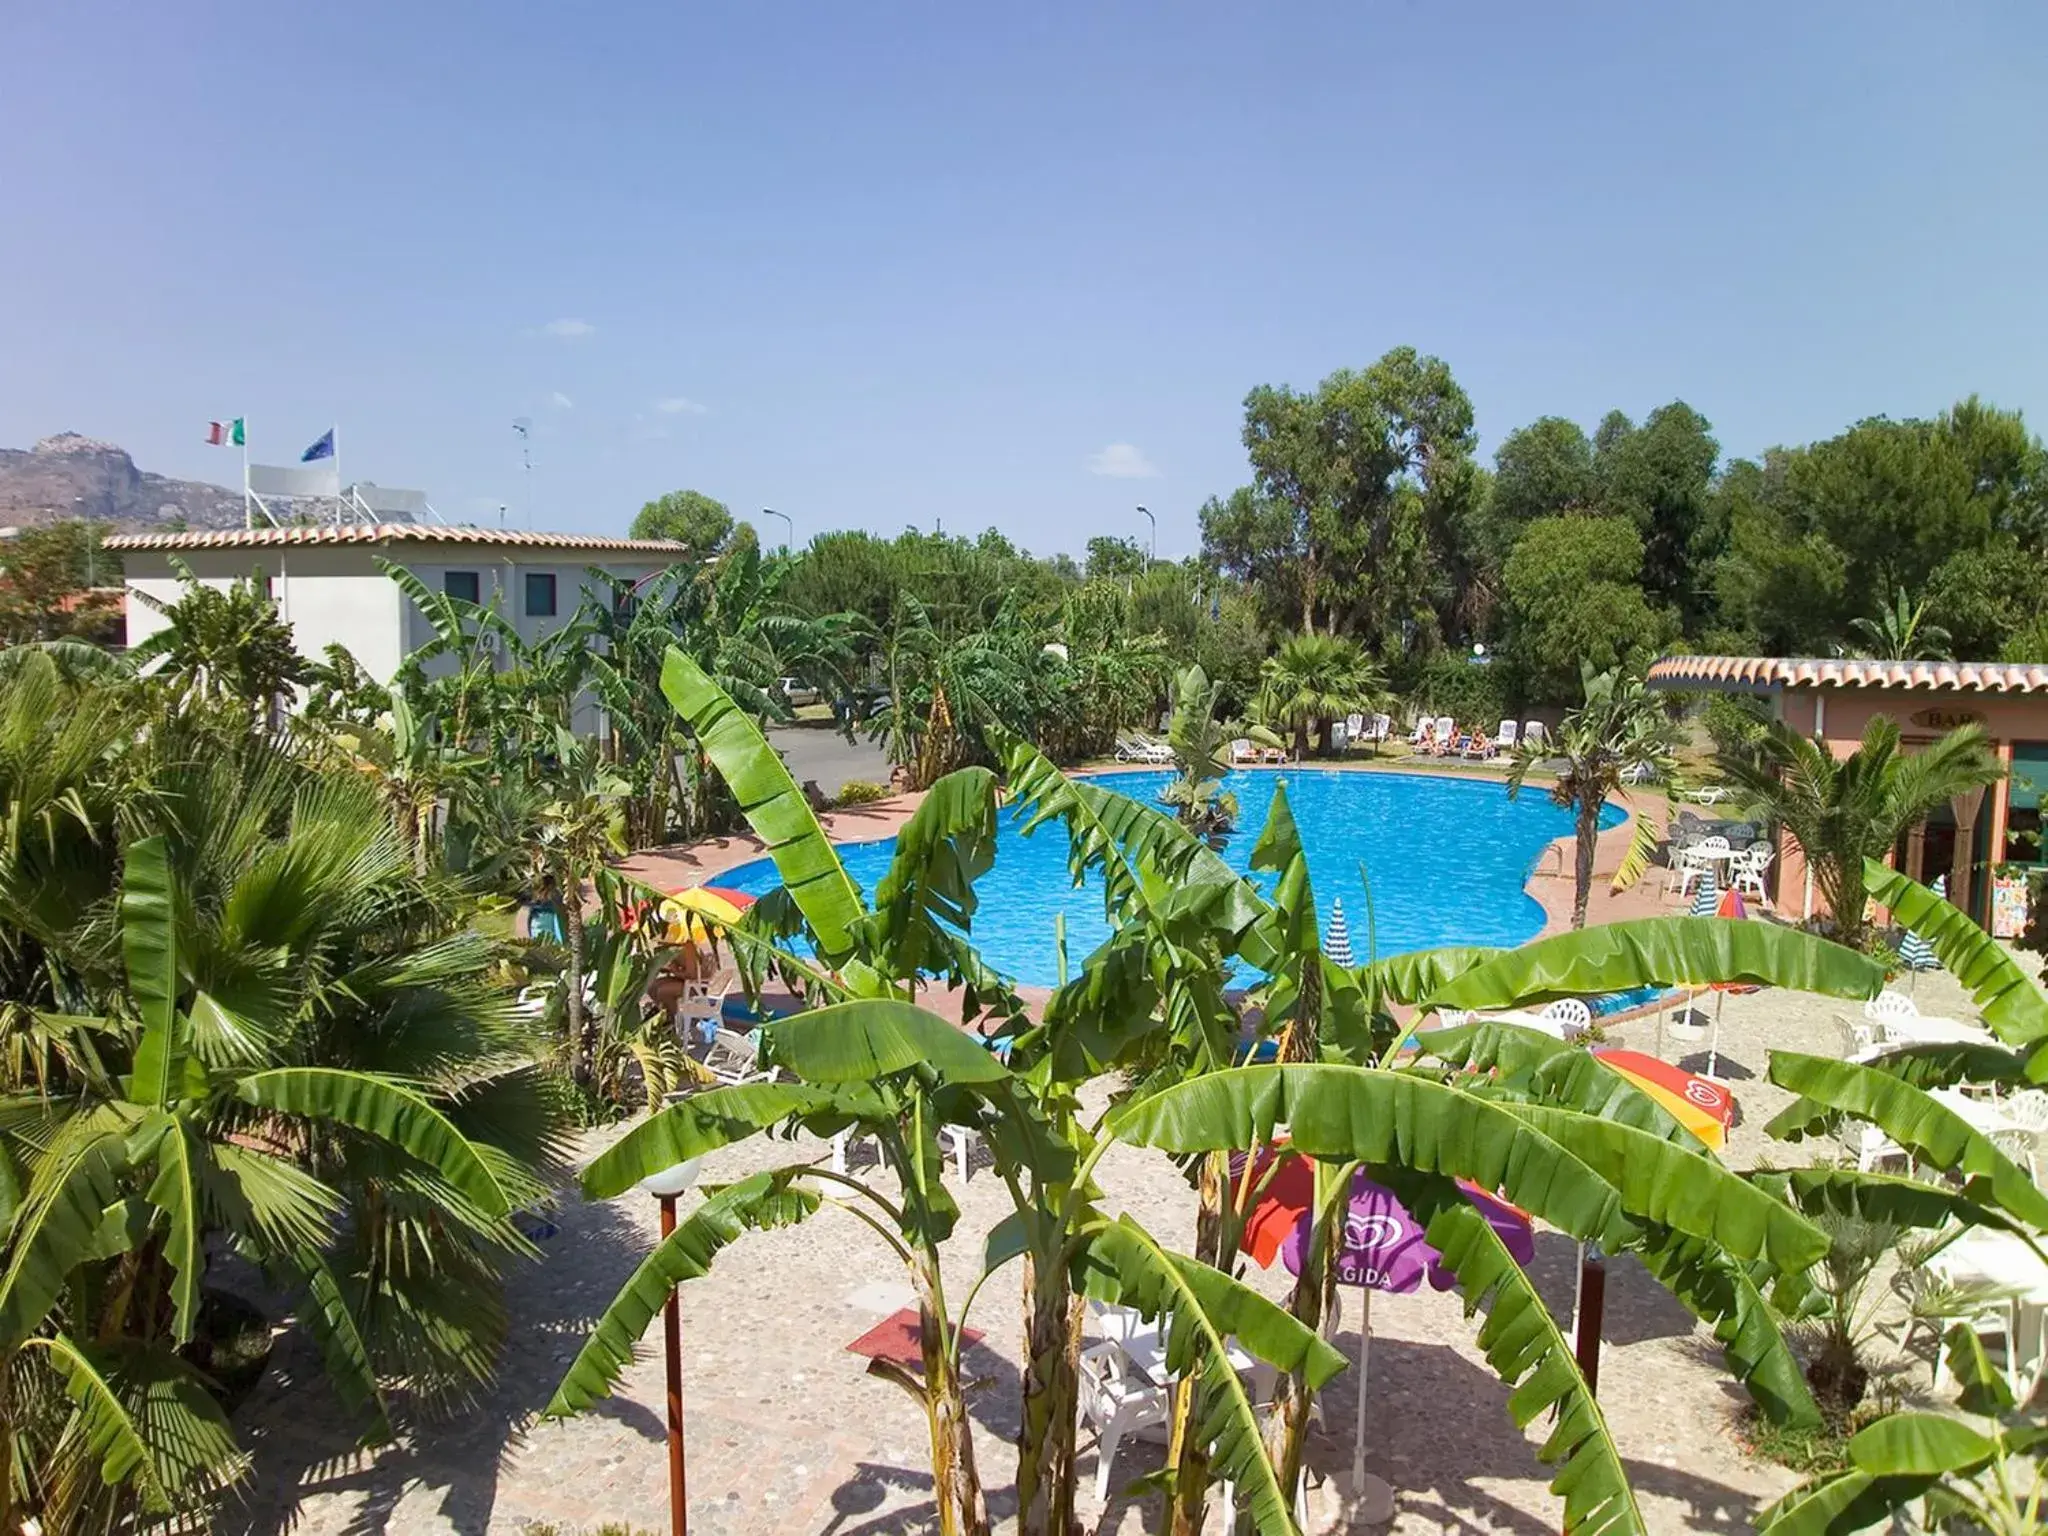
(861, 792)
(1734, 720)
(1450, 684)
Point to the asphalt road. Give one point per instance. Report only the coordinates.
(819, 752)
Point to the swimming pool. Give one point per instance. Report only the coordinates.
(1447, 859)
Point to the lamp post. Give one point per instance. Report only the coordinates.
(1153, 552)
(789, 538)
(665, 1186)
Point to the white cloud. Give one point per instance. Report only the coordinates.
(561, 402)
(680, 405)
(1123, 461)
(568, 330)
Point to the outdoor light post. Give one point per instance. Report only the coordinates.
(789, 539)
(665, 1186)
(1152, 553)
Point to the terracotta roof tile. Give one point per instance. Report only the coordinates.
(1770, 672)
(388, 533)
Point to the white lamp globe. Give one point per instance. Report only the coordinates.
(672, 1181)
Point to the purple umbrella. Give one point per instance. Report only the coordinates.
(1384, 1250)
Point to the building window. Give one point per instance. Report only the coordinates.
(540, 594)
(463, 586)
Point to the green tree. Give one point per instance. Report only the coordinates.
(1574, 596)
(1113, 559)
(1659, 476)
(1845, 811)
(1350, 482)
(1826, 534)
(1312, 681)
(52, 585)
(702, 522)
(1617, 735)
(1984, 597)
(1541, 470)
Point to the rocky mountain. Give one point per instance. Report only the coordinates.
(73, 476)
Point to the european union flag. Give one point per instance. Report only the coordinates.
(323, 448)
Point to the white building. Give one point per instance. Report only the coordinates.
(328, 585)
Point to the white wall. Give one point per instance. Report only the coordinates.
(339, 595)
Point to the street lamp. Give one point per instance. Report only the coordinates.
(790, 539)
(665, 1186)
(1153, 553)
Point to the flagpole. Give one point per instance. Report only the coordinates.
(334, 439)
(248, 514)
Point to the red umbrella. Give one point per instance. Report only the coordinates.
(739, 899)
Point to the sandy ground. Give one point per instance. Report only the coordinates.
(787, 1434)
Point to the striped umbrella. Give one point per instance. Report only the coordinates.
(1338, 944)
(1707, 903)
(1915, 953)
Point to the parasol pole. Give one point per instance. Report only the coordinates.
(1364, 1358)
(1714, 1042)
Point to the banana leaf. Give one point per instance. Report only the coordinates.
(772, 803)
(704, 1122)
(2010, 1000)
(1421, 973)
(948, 844)
(1360, 1114)
(860, 1041)
(1928, 1129)
(1663, 1182)
(1529, 1352)
(1726, 1296)
(149, 947)
(1203, 1308)
(1662, 951)
(764, 1200)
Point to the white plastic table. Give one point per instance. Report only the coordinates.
(1985, 1115)
(2004, 1263)
(1932, 1029)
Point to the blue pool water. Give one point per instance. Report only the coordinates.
(1447, 859)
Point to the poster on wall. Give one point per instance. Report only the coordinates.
(2008, 906)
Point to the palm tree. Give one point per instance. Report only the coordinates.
(1312, 681)
(256, 1027)
(1843, 811)
(1620, 735)
(1900, 633)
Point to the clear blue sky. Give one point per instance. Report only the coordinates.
(878, 265)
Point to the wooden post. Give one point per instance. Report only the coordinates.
(672, 1329)
(1592, 1303)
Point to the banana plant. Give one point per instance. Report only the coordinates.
(472, 636)
(104, 1252)
(1595, 1178)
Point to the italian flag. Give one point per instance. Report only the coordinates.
(224, 432)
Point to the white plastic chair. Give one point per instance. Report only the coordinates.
(1569, 1013)
(1504, 736)
(1750, 867)
(1695, 862)
(1534, 734)
(957, 1139)
(1446, 734)
(1119, 1402)
(1888, 1008)
(700, 1013)
(734, 1058)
